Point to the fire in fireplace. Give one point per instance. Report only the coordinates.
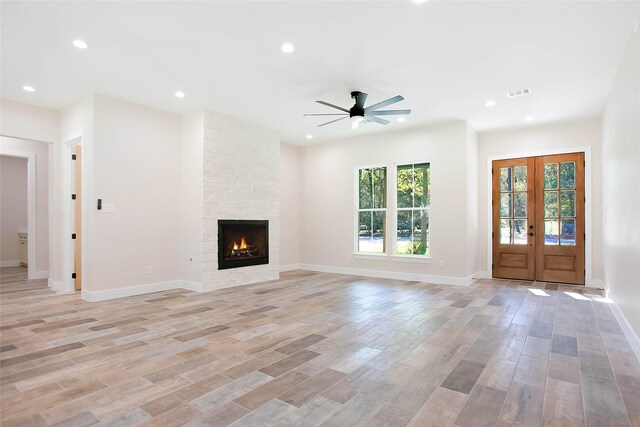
(242, 243)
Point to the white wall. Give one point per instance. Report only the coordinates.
(621, 186)
(136, 167)
(240, 181)
(191, 182)
(328, 174)
(41, 152)
(13, 208)
(541, 139)
(28, 121)
(291, 185)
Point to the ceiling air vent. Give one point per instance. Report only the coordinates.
(518, 92)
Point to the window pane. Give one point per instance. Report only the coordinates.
(365, 236)
(520, 178)
(550, 204)
(405, 186)
(378, 231)
(421, 178)
(520, 205)
(404, 232)
(568, 232)
(568, 175)
(365, 189)
(550, 176)
(506, 179)
(520, 232)
(420, 232)
(551, 232)
(568, 203)
(505, 231)
(379, 188)
(505, 205)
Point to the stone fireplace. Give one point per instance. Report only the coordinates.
(242, 243)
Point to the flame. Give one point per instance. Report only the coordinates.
(235, 246)
(243, 244)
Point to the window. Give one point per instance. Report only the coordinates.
(413, 200)
(372, 209)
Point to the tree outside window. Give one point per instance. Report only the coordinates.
(372, 209)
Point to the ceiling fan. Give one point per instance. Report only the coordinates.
(359, 113)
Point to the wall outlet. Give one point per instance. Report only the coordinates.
(441, 264)
(149, 269)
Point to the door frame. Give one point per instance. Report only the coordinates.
(588, 214)
(68, 223)
(31, 208)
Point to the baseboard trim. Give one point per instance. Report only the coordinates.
(631, 335)
(290, 267)
(10, 263)
(93, 296)
(397, 275)
(596, 283)
(44, 274)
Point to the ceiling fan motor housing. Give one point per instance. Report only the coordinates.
(356, 110)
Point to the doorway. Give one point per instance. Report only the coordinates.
(538, 218)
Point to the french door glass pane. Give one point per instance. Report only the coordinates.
(506, 207)
(568, 175)
(520, 205)
(568, 203)
(568, 232)
(506, 179)
(550, 204)
(550, 176)
(551, 232)
(520, 232)
(520, 178)
(506, 237)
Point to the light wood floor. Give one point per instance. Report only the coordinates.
(318, 349)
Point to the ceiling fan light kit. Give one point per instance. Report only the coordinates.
(359, 113)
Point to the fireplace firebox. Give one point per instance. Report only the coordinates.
(242, 243)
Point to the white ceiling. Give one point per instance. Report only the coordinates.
(446, 58)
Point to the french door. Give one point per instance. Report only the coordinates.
(538, 218)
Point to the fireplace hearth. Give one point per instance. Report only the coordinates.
(242, 243)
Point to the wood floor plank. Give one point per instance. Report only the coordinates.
(316, 348)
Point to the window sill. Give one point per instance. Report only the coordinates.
(411, 258)
(365, 255)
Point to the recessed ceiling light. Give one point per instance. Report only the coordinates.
(490, 103)
(418, 1)
(401, 119)
(28, 88)
(80, 44)
(287, 48)
(309, 136)
(528, 119)
(180, 94)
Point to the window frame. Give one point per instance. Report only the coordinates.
(357, 210)
(427, 209)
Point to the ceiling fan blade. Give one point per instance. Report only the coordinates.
(333, 106)
(333, 121)
(384, 103)
(377, 120)
(360, 99)
(328, 114)
(389, 112)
